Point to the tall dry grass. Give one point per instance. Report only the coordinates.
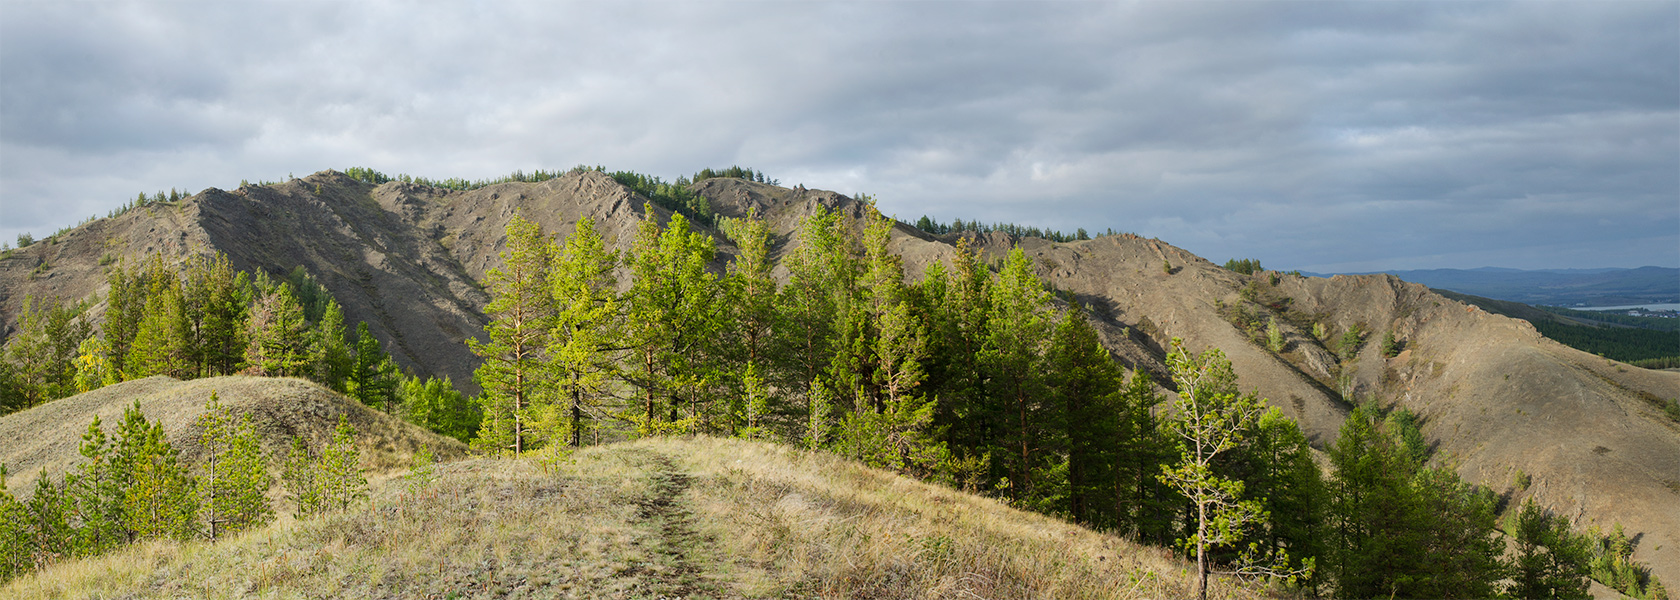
(664, 518)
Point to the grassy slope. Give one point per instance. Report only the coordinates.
(689, 518)
(47, 436)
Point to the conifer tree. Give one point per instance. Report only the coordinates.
(233, 491)
(333, 360)
(1018, 329)
(162, 344)
(586, 327)
(373, 376)
(521, 312)
(125, 304)
(342, 481)
(956, 302)
(159, 499)
(49, 522)
(301, 478)
(1086, 383)
(279, 345)
(17, 551)
(673, 315)
(1551, 561)
(42, 353)
(822, 273)
(95, 492)
(1210, 419)
(435, 404)
(217, 312)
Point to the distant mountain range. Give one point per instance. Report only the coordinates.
(1555, 287)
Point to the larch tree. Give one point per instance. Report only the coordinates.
(521, 312)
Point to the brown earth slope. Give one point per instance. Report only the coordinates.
(1495, 396)
(48, 436)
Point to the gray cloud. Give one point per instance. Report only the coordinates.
(1314, 135)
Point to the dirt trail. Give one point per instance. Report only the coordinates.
(673, 572)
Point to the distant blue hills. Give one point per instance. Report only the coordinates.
(1554, 287)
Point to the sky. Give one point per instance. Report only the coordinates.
(1327, 137)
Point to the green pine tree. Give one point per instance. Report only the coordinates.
(373, 376)
(233, 490)
(1210, 418)
(586, 329)
(521, 312)
(333, 360)
(279, 335)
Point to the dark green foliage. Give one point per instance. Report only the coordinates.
(1246, 266)
(930, 225)
(1617, 343)
(279, 335)
(734, 172)
(41, 355)
(1390, 346)
(1612, 563)
(373, 377)
(1351, 341)
(1400, 529)
(1550, 560)
(672, 196)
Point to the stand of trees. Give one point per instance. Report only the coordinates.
(204, 319)
(976, 378)
(133, 486)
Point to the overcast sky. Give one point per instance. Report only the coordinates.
(1312, 135)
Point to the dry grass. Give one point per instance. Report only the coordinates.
(670, 518)
(47, 436)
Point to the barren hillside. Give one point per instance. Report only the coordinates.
(1495, 396)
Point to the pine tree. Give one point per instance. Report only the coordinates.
(1018, 329)
(752, 313)
(234, 488)
(17, 550)
(301, 478)
(521, 314)
(49, 523)
(162, 344)
(1210, 419)
(95, 492)
(125, 304)
(279, 345)
(333, 362)
(822, 274)
(673, 314)
(435, 404)
(373, 376)
(42, 353)
(159, 500)
(586, 327)
(1551, 561)
(342, 481)
(217, 313)
(1086, 383)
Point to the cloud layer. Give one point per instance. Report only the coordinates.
(1321, 136)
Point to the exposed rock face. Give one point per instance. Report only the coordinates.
(1495, 396)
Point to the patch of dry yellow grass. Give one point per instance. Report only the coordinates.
(691, 518)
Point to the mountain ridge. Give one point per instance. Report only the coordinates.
(1495, 397)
